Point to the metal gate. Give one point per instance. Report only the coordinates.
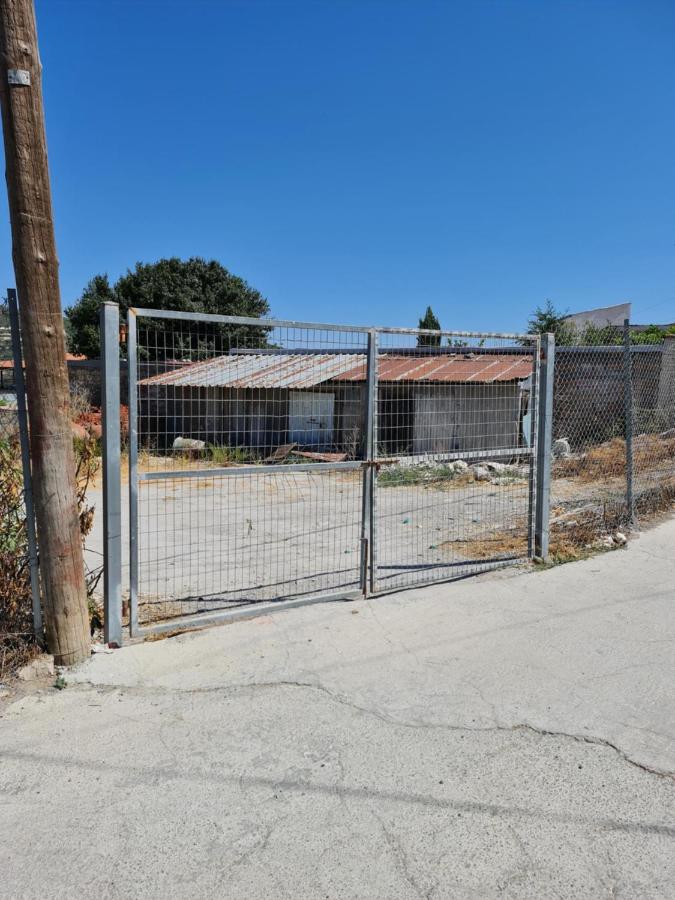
(455, 436)
(275, 463)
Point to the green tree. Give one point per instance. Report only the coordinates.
(547, 319)
(194, 285)
(429, 320)
(82, 319)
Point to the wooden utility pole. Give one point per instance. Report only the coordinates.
(36, 269)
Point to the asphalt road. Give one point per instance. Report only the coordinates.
(502, 737)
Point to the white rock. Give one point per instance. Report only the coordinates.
(37, 668)
(480, 473)
(561, 449)
(620, 538)
(460, 466)
(181, 443)
(496, 467)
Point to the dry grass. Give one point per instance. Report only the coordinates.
(564, 547)
(16, 627)
(609, 459)
(656, 500)
(16, 650)
(501, 543)
(573, 540)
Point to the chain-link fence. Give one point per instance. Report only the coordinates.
(613, 436)
(653, 429)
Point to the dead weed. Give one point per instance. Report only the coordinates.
(609, 459)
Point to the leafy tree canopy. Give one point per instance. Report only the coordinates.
(429, 320)
(194, 285)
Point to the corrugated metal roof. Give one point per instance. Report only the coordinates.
(299, 370)
(261, 370)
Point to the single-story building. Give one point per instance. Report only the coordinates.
(430, 400)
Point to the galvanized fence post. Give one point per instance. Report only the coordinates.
(22, 414)
(544, 446)
(533, 439)
(628, 420)
(373, 391)
(132, 370)
(369, 468)
(112, 483)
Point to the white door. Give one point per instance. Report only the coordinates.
(310, 419)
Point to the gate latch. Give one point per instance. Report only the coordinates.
(376, 463)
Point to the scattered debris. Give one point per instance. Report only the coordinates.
(280, 453)
(321, 457)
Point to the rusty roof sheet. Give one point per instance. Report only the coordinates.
(454, 367)
(301, 370)
(260, 370)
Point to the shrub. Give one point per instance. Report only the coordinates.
(17, 641)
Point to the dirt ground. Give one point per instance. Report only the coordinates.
(208, 543)
(230, 540)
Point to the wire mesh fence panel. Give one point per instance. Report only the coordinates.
(454, 436)
(588, 486)
(246, 444)
(653, 427)
(216, 542)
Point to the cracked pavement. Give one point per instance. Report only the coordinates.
(509, 736)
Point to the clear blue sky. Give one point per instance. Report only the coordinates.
(358, 160)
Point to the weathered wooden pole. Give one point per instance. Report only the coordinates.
(36, 269)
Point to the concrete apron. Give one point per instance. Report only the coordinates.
(511, 736)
